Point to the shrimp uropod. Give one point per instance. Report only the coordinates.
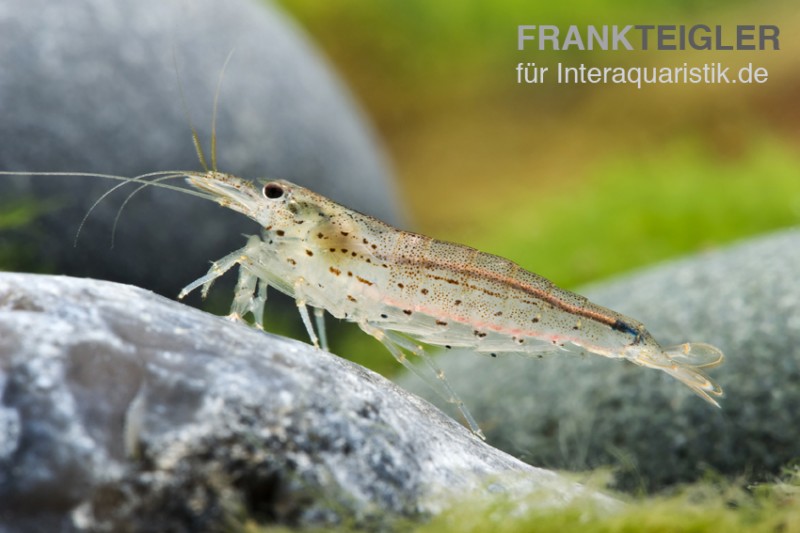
(407, 289)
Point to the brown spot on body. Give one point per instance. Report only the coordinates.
(441, 323)
(345, 233)
(451, 281)
(320, 235)
(401, 285)
(457, 302)
(407, 311)
(424, 291)
(499, 313)
(292, 261)
(335, 270)
(280, 233)
(364, 281)
(485, 291)
(309, 253)
(351, 299)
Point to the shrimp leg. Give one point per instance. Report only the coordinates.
(301, 307)
(220, 266)
(217, 269)
(250, 296)
(243, 294)
(319, 319)
(259, 302)
(395, 343)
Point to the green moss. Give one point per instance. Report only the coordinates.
(703, 507)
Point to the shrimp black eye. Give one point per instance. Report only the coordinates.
(273, 191)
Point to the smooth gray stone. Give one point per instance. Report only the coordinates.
(91, 86)
(124, 411)
(571, 412)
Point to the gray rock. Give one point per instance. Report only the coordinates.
(124, 411)
(572, 412)
(91, 86)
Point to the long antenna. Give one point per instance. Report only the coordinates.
(214, 115)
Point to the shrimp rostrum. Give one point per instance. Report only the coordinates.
(408, 290)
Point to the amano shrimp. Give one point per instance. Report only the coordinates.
(407, 289)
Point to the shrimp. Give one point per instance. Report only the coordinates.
(407, 289)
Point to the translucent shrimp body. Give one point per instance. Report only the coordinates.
(404, 288)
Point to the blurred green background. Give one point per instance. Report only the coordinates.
(574, 182)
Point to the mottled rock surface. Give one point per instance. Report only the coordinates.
(573, 412)
(91, 86)
(121, 410)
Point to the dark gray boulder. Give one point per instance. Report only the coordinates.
(121, 410)
(577, 413)
(91, 86)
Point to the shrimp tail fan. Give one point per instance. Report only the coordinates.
(687, 363)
